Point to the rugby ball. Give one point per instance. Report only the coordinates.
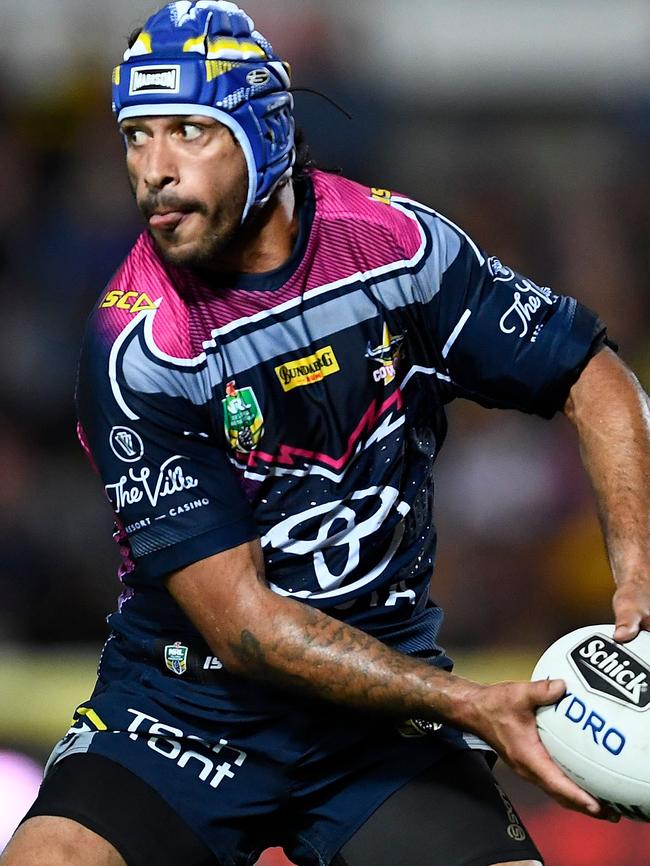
(599, 731)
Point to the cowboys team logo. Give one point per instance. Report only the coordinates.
(242, 418)
(176, 657)
(387, 355)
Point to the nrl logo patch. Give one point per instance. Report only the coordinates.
(176, 657)
(155, 79)
(611, 669)
(242, 418)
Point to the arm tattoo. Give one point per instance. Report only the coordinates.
(304, 650)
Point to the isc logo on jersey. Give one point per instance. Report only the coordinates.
(132, 302)
(382, 195)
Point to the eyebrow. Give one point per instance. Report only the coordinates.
(132, 123)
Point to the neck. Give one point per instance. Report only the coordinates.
(267, 239)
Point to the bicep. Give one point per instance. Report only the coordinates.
(604, 382)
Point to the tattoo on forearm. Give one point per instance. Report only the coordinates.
(320, 656)
(250, 653)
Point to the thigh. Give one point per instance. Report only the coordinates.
(215, 772)
(58, 842)
(454, 814)
(113, 815)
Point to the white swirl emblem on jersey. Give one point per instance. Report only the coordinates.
(500, 272)
(281, 536)
(138, 485)
(126, 444)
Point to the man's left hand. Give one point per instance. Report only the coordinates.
(631, 609)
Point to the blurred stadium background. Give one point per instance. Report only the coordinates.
(526, 122)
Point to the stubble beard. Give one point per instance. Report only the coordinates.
(207, 250)
(223, 228)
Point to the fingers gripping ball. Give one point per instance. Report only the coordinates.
(599, 731)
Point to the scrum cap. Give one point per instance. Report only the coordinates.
(205, 57)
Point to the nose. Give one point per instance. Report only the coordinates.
(160, 168)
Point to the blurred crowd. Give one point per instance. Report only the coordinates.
(557, 189)
(558, 193)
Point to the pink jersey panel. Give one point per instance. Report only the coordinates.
(352, 232)
(355, 231)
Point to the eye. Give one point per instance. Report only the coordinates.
(134, 137)
(190, 131)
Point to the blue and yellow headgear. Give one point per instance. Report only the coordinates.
(205, 57)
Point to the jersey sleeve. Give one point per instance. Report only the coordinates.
(146, 428)
(501, 339)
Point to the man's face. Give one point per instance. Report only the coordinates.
(190, 181)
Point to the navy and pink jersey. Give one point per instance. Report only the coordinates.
(305, 406)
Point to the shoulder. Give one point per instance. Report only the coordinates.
(383, 221)
(143, 290)
(138, 353)
(138, 342)
(365, 213)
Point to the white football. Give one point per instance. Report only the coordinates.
(599, 732)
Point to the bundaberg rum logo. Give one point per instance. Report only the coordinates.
(306, 371)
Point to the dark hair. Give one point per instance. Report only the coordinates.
(305, 163)
(133, 38)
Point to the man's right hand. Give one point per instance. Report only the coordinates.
(504, 716)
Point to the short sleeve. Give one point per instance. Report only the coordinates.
(175, 497)
(501, 339)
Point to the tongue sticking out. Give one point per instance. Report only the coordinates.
(167, 222)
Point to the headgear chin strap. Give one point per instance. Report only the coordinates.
(205, 57)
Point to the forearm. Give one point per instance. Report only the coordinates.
(610, 412)
(299, 647)
(277, 640)
(287, 644)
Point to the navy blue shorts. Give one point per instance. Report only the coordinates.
(246, 767)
